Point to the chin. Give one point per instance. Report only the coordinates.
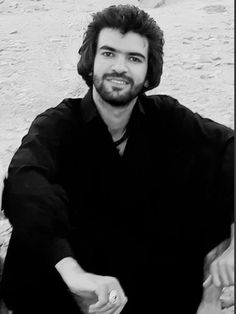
(118, 100)
(118, 103)
(115, 96)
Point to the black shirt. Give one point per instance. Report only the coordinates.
(148, 217)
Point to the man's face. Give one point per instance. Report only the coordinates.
(120, 66)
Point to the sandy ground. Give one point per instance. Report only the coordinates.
(38, 55)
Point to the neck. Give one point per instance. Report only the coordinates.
(115, 118)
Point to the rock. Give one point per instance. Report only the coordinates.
(54, 40)
(216, 58)
(215, 9)
(151, 3)
(199, 66)
(189, 38)
(186, 42)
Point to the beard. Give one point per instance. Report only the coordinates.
(114, 95)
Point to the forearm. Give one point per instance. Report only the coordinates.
(38, 214)
(67, 267)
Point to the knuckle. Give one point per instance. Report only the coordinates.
(125, 301)
(222, 263)
(101, 287)
(102, 302)
(213, 266)
(110, 279)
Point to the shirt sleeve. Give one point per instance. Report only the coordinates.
(226, 181)
(213, 146)
(34, 200)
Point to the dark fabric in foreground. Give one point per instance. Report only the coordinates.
(147, 218)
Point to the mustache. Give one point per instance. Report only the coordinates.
(118, 76)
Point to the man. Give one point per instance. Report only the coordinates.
(118, 196)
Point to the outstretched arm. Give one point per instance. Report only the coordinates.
(222, 268)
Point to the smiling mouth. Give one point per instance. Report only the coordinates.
(121, 81)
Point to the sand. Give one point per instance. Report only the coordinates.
(38, 54)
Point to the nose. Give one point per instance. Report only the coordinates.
(119, 65)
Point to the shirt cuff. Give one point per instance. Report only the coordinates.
(61, 249)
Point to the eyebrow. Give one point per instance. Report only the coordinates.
(136, 54)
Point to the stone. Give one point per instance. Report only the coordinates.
(218, 8)
(151, 3)
(199, 66)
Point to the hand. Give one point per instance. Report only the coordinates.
(222, 269)
(92, 293)
(210, 303)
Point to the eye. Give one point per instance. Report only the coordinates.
(135, 59)
(107, 54)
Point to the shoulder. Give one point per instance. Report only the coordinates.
(165, 110)
(64, 111)
(56, 120)
(182, 124)
(154, 103)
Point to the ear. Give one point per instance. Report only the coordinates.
(146, 84)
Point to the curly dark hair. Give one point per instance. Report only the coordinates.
(124, 18)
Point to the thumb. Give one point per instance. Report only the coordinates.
(207, 282)
(102, 299)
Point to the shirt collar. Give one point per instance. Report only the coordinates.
(88, 108)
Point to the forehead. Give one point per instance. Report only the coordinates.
(129, 42)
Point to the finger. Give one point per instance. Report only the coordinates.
(109, 307)
(119, 310)
(230, 275)
(215, 274)
(207, 282)
(105, 309)
(222, 273)
(112, 311)
(102, 302)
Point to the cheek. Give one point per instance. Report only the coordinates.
(99, 67)
(97, 64)
(141, 74)
(145, 70)
(95, 67)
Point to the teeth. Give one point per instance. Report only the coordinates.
(119, 82)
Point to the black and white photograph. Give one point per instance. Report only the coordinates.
(117, 157)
